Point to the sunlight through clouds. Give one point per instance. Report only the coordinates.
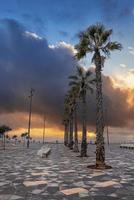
(64, 45)
(124, 80)
(34, 35)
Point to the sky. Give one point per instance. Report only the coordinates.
(37, 41)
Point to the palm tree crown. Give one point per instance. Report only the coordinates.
(96, 39)
(4, 129)
(81, 82)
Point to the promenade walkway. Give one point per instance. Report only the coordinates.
(64, 176)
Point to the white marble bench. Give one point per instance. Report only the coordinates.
(44, 152)
(127, 146)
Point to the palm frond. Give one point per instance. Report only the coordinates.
(80, 71)
(91, 82)
(95, 31)
(74, 77)
(96, 38)
(81, 51)
(105, 36)
(84, 46)
(72, 83)
(100, 28)
(111, 46)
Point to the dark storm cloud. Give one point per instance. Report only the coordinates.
(117, 111)
(27, 61)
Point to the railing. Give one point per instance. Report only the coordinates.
(127, 146)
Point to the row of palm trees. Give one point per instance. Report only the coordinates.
(80, 84)
(3, 130)
(95, 40)
(5, 137)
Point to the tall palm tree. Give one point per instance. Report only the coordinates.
(66, 122)
(82, 80)
(69, 107)
(74, 95)
(71, 118)
(66, 131)
(96, 40)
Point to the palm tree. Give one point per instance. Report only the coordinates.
(66, 122)
(74, 95)
(14, 137)
(76, 141)
(7, 138)
(96, 40)
(69, 113)
(3, 130)
(84, 83)
(23, 136)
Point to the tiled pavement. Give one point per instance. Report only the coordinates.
(64, 176)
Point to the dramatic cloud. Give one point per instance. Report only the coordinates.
(27, 60)
(115, 102)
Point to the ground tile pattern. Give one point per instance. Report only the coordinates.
(63, 175)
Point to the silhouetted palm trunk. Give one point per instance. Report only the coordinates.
(84, 130)
(76, 149)
(71, 132)
(66, 131)
(28, 143)
(100, 149)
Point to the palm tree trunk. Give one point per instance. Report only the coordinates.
(66, 134)
(71, 132)
(76, 149)
(100, 149)
(84, 130)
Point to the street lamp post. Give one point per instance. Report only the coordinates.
(44, 130)
(30, 113)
